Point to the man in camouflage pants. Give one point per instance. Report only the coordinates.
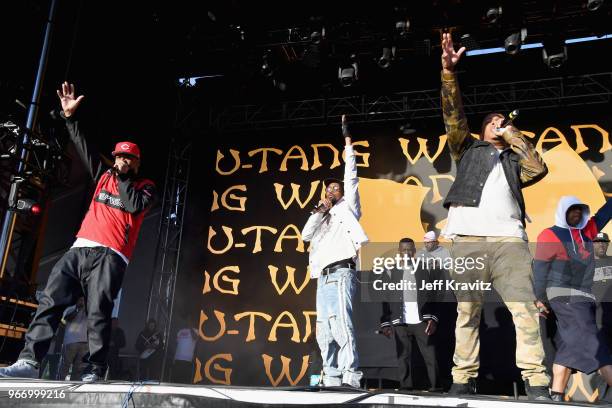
(486, 222)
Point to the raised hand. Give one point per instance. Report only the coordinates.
(67, 99)
(345, 131)
(450, 57)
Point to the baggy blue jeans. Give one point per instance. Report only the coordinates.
(335, 331)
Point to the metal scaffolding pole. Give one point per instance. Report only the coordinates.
(8, 223)
(589, 89)
(161, 296)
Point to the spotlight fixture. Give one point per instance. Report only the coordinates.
(348, 73)
(593, 5)
(554, 53)
(514, 41)
(28, 206)
(316, 36)
(388, 55)
(317, 30)
(267, 68)
(237, 32)
(279, 84)
(402, 26)
(407, 129)
(493, 14)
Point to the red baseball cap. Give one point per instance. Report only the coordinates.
(128, 148)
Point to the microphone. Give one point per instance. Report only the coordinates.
(511, 116)
(317, 208)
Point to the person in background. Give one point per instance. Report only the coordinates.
(149, 344)
(602, 289)
(563, 270)
(117, 343)
(602, 285)
(411, 315)
(75, 341)
(432, 248)
(182, 368)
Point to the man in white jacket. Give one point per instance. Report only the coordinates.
(335, 237)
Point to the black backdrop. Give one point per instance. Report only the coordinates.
(226, 352)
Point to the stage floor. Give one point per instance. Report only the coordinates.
(22, 393)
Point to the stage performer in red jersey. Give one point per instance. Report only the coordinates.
(95, 265)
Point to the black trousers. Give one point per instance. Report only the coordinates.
(403, 343)
(182, 372)
(94, 273)
(73, 357)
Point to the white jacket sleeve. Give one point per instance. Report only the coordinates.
(311, 226)
(351, 182)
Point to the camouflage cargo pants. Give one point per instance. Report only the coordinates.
(506, 264)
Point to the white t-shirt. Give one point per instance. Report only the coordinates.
(185, 344)
(497, 215)
(87, 243)
(410, 309)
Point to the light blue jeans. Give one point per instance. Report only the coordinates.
(335, 332)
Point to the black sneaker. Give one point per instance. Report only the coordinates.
(468, 388)
(557, 396)
(537, 392)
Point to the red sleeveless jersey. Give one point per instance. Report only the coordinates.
(110, 220)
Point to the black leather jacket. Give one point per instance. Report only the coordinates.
(427, 300)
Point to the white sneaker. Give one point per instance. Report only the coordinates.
(20, 369)
(90, 377)
(93, 374)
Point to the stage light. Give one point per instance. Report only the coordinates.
(317, 30)
(28, 206)
(237, 32)
(514, 41)
(348, 72)
(267, 68)
(347, 75)
(279, 84)
(593, 5)
(316, 36)
(388, 55)
(493, 14)
(402, 26)
(554, 53)
(407, 129)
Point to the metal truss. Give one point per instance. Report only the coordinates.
(163, 281)
(532, 94)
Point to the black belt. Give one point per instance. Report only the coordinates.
(333, 267)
